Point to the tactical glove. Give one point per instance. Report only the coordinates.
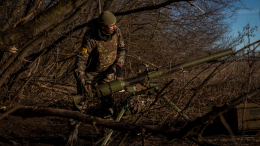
(118, 71)
(82, 86)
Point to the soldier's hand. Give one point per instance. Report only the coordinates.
(118, 71)
(82, 83)
(85, 88)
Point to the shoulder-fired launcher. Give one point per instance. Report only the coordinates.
(118, 85)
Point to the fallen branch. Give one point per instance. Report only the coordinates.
(29, 111)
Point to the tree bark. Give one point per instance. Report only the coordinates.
(53, 16)
(14, 14)
(26, 112)
(24, 52)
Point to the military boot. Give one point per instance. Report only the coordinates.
(106, 107)
(106, 112)
(72, 136)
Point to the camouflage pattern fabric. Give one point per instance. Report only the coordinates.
(95, 78)
(107, 51)
(94, 64)
(107, 102)
(88, 56)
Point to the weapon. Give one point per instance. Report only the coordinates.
(118, 85)
(145, 87)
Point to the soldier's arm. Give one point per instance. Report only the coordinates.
(121, 51)
(82, 58)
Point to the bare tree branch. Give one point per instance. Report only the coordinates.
(146, 8)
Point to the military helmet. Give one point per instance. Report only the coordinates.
(106, 18)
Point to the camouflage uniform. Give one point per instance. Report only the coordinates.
(98, 57)
(99, 60)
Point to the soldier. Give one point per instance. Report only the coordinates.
(100, 59)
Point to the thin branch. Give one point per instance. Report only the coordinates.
(196, 6)
(37, 73)
(28, 16)
(146, 8)
(224, 122)
(139, 58)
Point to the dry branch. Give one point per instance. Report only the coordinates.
(27, 16)
(146, 8)
(196, 6)
(37, 73)
(28, 111)
(17, 61)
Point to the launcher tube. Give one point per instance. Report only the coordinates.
(117, 85)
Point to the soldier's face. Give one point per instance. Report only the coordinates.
(109, 28)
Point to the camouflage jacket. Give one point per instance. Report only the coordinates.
(87, 59)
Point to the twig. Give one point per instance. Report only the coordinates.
(113, 138)
(196, 6)
(248, 88)
(146, 8)
(239, 57)
(200, 87)
(139, 58)
(155, 28)
(139, 118)
(28, 16)
(196, 76)
(122, 140)
(159, 94)
(61, 54)
(55, 89)
(37, 73)
(212, 74)
(224, 122)
(99, 141)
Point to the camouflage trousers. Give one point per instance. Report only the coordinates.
(106, 107)
(97, 78)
